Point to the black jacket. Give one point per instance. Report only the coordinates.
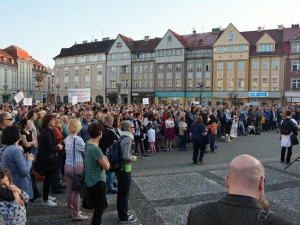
(108, 137)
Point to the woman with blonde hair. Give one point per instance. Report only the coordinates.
(64, 122)
(74, 146)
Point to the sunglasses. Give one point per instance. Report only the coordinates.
(9, 119)
(132, 127)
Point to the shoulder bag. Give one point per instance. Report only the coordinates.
(78, 178)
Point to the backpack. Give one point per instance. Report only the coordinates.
(114, 156)
(285, 127)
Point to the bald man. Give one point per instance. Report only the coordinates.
(245, 183)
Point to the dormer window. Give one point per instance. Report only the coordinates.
(230, 36)
(76, 60)
(12, 61)
(66, 61)
(119, 44)
(265, 48)
(169, 38)
(4, 59)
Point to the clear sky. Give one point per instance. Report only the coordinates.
(43, 27)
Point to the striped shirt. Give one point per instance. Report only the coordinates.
(79, 147)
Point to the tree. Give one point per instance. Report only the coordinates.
(233, 98)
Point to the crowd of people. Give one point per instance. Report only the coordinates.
(57, 141)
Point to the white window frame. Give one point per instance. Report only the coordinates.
(230, 66)
(230, 36)
(295, 65)
(230, 48)
(265, 64)
(265, 48)
(241, 48)
(220, 49)
(219, 66)
(275, 64)
(241, 65)
(295, 47)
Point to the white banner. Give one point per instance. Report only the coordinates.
(145, 101)
(83, 95)
(18, 97)
(27, 101)
(74, 100)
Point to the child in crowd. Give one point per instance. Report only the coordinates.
(182, 133)
(12, 212)
(151, 137)
(213, 138)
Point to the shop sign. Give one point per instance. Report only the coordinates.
(169, 94)
(296, 99)
(197, 94)
(135, 94)
(258, 94)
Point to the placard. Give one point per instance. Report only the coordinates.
(145, 101)
(74, 100)
(195, 103)
(83, 95)
(27, 101)
(18, 97)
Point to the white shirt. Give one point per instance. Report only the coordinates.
(79, 147)
(169, 123)
(151, 135)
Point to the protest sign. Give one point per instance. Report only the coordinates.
(27, 101)
(145, 101)
(18, 97)
(74, 100)
(83, 95)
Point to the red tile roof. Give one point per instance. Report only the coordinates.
(179, 38)
(16, 51)
(144, 46)
(129, 41)
(10, 60)
(201, 40)
(38, 66)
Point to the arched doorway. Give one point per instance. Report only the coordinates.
(66, 99)
(99, 99)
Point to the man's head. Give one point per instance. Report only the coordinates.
(5, 120)
(31, 115)
(288, 113)
(88, 116)
(41, 114)
(246, 176)
(108, 121)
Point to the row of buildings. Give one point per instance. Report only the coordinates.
(261, 66)
(19, 72)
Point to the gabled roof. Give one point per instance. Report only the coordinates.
(253, 36)
(10, 60)
(128, 41)
(179, 38)
(144, 46)
(87, 48)
(201, 40)
(17, 52)
(38, 66)
(289, 33)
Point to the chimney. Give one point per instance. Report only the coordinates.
(146, 38)
(295, 25)
(95, 40)
(280, 27)
(84, 42)
(194, 32)
(215, 30)
(259, 29)
(106, 39)
(75, 43)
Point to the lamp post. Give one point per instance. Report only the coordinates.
(200, 85)
(57, 97)
(5, 86)
(119, 94)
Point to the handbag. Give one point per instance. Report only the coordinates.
(87, 200)
(78, 178)
(294, 139)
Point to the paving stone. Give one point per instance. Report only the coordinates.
(176, 186)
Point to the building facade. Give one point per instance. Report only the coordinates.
(82, 66)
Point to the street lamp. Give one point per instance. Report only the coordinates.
(119, 94)
(5, 86)
(200, 85)
(58, 87)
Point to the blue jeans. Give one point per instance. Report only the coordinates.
(212, 141)
(182, 141)
(110, 180)
(241, 126)
(124, 183)
(198, 146)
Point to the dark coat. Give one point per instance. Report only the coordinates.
(197, 130)
(46, 157)
(108, 137)
(232, 210)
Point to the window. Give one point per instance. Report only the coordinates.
(241, 83)
(190, 67)
(5, 76)
(207, 66)
(4, 59)
(135, 69)
(169, 83)
(153, 54)
(265, 48)
(113, 56)
(207, 83)
(199, 67)
(99, 78)
(87, 78)
(66, 86)
(220, 83)
(230, 49)
(220, 66)
(150, 68)
(178, 83)
(134, 84)
(142, 56)
(220, 49)
(178, 51)
(265, 64)
(241, 48)
(230, 36)
(66, 73)
(126, 83)
(230, 66)
(76, 75)
(88, 59)
(140, 68)
(160, 83)
(295, 84)
(119, 44)
(255, 82)
(113, 84)
(169, 68)
(230, 83)
(12, 61)
(296, 65)
(178, 67)
(99, 57)
(275, 65)
(124, 55)
(254, 65)
(76, 60)
(190, 83)
(161, 53)
(169, 52)
(113, 70)
(145, 68)
(274, 82)
(265, 82)
(124, 69)
(296, 47)
(66, 61)
(145, 84)
(141, 84)
(198, 82)
(241, 65)
(161, 68)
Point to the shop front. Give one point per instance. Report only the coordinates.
(182, 97)
(292, 101)
(206, 97)
(137, 97)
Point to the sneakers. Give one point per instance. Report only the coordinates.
(49, 203)
(129, 220)
(81, 217)
(51, 198)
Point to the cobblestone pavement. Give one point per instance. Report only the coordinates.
(166, 185)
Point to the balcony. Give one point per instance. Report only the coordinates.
(135, 59)
(198, 55)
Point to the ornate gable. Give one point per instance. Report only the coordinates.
(231, 36)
